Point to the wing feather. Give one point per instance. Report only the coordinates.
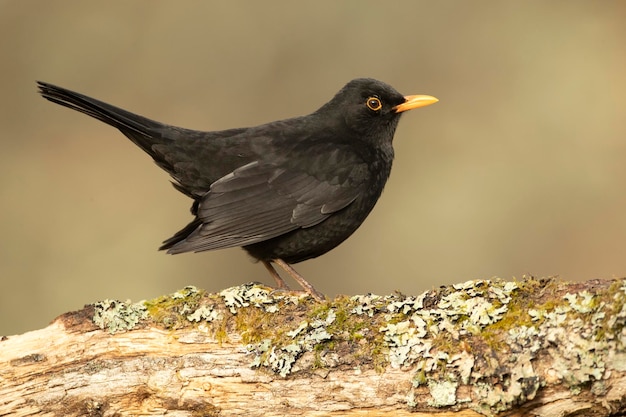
(260, 200)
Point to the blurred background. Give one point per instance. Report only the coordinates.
(519, 169)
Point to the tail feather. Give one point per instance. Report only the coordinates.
(171, 243)
(145, 133)
(141, 130)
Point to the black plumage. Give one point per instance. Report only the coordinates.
(285, 191)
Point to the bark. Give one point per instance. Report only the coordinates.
(530, 347)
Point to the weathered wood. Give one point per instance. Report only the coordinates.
(533, 347)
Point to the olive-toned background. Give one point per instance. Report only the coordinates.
(519, 169)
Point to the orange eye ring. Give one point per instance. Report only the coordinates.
(374, 103)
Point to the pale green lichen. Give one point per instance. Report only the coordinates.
(473, 306)
(185, 293)
(414, 335)
(427, 339)
(582, 302)
(304, 338)
(205, 313)
(254, 295)
(116, 316)
(575, 333)
(443, 393)
(406, 343)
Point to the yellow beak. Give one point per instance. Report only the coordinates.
(413, 102)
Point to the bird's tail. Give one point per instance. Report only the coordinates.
(141, 130)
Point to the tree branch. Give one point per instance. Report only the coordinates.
(532, 347)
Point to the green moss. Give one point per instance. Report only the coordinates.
(495, 335)
(350, 329)
(220, 331)
(255, 325)
(172, 311)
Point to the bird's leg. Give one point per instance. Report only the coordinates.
(279, 281)
(308, 288)
(318, 296)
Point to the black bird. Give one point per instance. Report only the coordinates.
(285, 191)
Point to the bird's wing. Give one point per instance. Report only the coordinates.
(262, 200)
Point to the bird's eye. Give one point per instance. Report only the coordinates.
(373, 103)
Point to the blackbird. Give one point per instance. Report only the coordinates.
(285, 191)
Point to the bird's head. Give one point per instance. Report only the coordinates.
(371, 108)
